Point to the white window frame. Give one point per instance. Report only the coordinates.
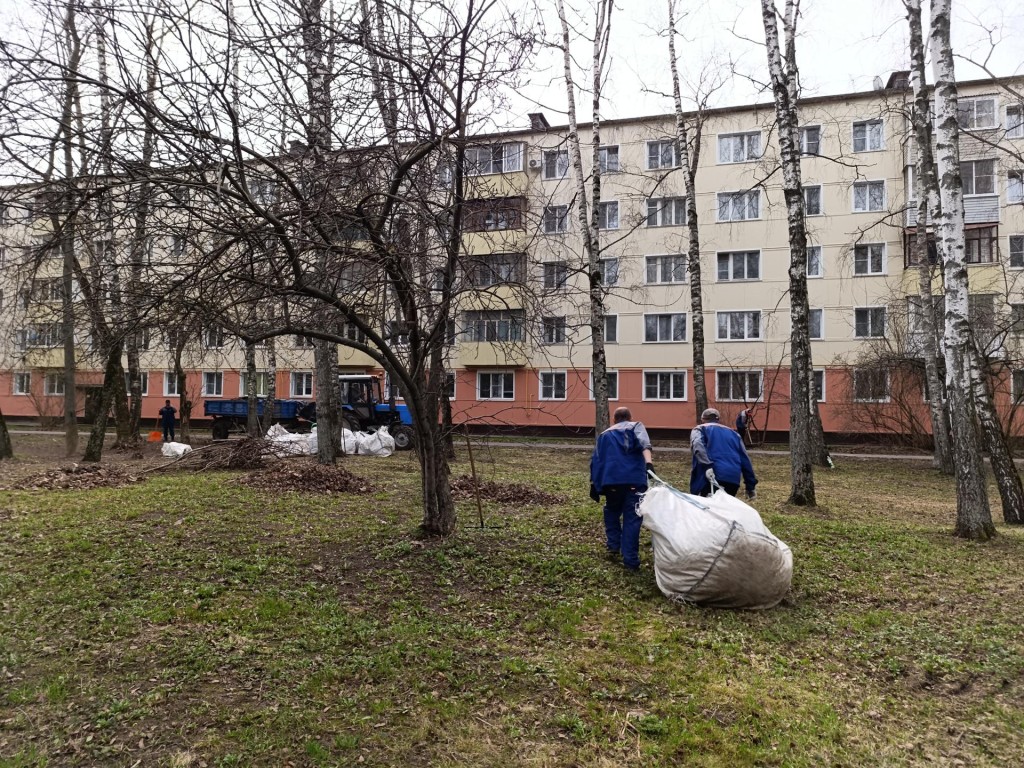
(747, 142)
(213, 334)
(605, 215)
(868, 248)
(610, 267)
(603, 153)
(554, 164)
(53, 385)
(867, 185)
(1015, 121)
(1018, 241)
(821, 263)
(971, 103)
(662, 263)
(821, 324)
(144, 381)
(821, 200)
(503, 397)
(553, 334)
(554, 275)
(659, 163)
(1015, 187)
(451, 376)
(871, 334)
(853, 387)
(814, 373)
(21, 383)
(666, 212)
(804, 143)
(744, 259)
(673, 321)
(554, 385)
(610, 372)
(615, 322)
(171, 384)
(868, 145)
(747, 396)
(511, 158)
(263, 375)
(293, 380)
(555, 219)
(673, 397)
(218, 376)
(749, 314)
(734, 201)
(970, 180)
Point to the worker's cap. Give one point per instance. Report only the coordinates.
(710, 414)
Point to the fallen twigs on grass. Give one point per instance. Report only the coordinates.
(250, 453)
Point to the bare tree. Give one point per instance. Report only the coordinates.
(974, 517)
(6, 449)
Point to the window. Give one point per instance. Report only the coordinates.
(22, 383)
(1015, 122)
(496, 269)
(302, 384)
(869, 259)
(213, 338)
(868, 136)
(552, 330)
(608, 159)
(815, 268)
(739, 206)
(739, 147)
(262, 380)
(213, 383)
(1015, 187)
(495, 386)
(979, 177)
(662, 154)
(739, 265)
(669, 327)
(810, 140)
(392, 389)
(609, 272)
(608, 215)
(302, 342)
(494, 326)
(980, 245)
(552, 385)
(816, 323)
(555, 275)
(666, 211)
(355, 276)
(263, 191)
(812, 201)
(493, 214)
(1017, 251)
(40, 335)
(818, 384)
(449, 385)
(739, 326)
(664, 385)
(611, 329)
(5, 216)
(143, 381)
(976, 113)
(870, 385)
(555, 163)
(53, 384)
(350, 331)
(612, 377)
(869, 322)
(868, 196)
(738, 386)
(556, 219)
(670, 268)
(1018, 386)
(494, 158)
(177, 245)
(170, 384)
(1017, 319)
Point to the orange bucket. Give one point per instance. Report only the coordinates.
(156, 436)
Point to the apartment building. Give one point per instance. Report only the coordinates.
(520, 353)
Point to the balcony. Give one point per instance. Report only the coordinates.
(978, 209)
(491, 354)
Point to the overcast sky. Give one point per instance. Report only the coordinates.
(843, 46)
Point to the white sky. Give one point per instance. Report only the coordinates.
(843, 46)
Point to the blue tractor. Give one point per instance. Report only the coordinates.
(364, 410)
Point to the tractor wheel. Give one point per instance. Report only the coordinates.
(221, 429)
(350, 424)
(403, 435)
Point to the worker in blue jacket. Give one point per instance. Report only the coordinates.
(618, 471)
(719, 457)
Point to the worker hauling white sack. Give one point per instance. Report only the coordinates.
(714, 551)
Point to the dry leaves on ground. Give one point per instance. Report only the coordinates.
(76, 477)
(307, 477)
(503, 493)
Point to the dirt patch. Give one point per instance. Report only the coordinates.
(307, 477)
(504, 493)
(76, 477)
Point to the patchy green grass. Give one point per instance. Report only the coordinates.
(191, 621)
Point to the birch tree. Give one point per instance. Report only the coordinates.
(785, 88)
(973, 517)
(588, 201)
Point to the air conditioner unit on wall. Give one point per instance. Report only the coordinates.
(534, 164)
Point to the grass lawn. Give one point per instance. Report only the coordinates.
(192, 621)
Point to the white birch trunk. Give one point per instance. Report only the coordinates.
(973, 516)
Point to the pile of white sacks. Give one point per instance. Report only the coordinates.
(285, 443)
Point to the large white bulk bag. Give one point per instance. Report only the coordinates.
(714, 551)
(175, 450)
(378, 443)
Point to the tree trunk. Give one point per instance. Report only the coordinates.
(693, 266)
(925, 190)
(184, 403)
(802, 404)
(328, 410)
(68, 331)
(252, 425)
(113, 378)
(6, 449)
(438, 506)
(973, 517)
